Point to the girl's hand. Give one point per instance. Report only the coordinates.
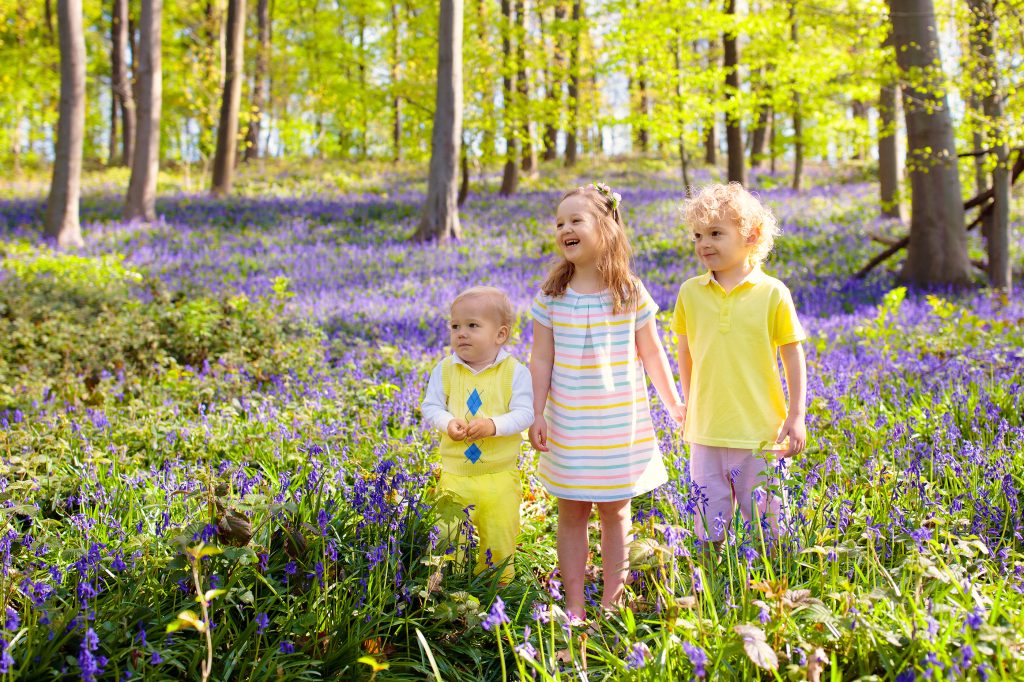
(539, 434)
(678, 414)
(481, 427)
(457, 429)
(794, 429)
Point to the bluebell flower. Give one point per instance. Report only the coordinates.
(287, 647)
(262, 621)
(496, 616)
(637, 656)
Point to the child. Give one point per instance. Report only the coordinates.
(732, 322)
(594, 336)
(481, 399)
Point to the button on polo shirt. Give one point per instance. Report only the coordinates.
(736, 398)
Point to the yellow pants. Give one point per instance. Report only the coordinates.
(495, 499)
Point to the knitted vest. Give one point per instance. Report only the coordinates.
(469, 395)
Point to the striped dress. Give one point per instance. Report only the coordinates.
(600, 435)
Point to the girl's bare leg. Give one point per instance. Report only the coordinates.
(573, 548)
(615, 524)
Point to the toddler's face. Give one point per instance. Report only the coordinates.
(476, 333)
(576, 231)
(720, 246)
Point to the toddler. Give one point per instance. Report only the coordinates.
(481, 400)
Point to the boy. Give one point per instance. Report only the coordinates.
(733, 322)
(481, 399)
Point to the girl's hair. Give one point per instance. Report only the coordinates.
(732, 202)
(615, 254)
(497, 300)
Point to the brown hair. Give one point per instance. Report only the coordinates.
(616, 254)
(498, 301)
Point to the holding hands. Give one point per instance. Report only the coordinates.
(678, 413)
(539, 434)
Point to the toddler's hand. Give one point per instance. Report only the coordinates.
(457, 429)
(539, 434)
(794, 429)
(678, 414)
(481, 427)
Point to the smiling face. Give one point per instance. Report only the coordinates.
(576, 231)
(720, 246)
(477, 333)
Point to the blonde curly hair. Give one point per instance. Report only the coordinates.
(733, 202)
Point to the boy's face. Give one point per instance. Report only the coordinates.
(720, 246)
(476, 333)
(576, 231)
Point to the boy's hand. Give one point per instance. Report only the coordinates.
(678, 414)
(457, 429)
(539, 434)
(481, 427)
(794, 429)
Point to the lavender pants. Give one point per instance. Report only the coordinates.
(728, 476)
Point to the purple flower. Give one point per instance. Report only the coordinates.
(637, 657)
(261, 623)
(287, 647)
(13, 620)
(156, 658)
(496, 616)
(697, 657)
(6, 660)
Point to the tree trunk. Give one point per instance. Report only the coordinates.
(122, 89)
(888, 152)
(733, 132)
(396, 100)
(711, 131)
(759, 136)
(510, 173)
(859, 110)
(464, 183)
(798, 114)
(773, 151)
(937, 252)
(555, 79)
(61, 219)
(227, 128)
(573, 128)
(440, 218)
(983, 40)
(677, 53)
(642, 134)
(252, 133)
(141, 199)
(529, 163)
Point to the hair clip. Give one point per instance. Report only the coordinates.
(614, 198)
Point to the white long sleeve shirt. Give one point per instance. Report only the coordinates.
(520, 408)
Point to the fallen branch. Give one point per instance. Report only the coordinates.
(987, 198)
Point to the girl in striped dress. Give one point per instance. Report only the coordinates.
(594, 339)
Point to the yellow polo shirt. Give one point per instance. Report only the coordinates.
(736, 398)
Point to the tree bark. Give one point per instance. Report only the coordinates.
(227, 128)
(252, 133)
(61, 219)
(440, 217)
(711, 132)
(122, 90)
(529, 162)
(798, 114)
(983, 39)
(759, 136)
(937, 252)
(510, 173)
(573, 127)
(677, 53)
(141, 199)
(554, 82)
(396, 99)
(733, 133)
(889, 171)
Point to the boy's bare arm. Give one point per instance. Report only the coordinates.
(652, 354)
(685, 361)
(796, 380)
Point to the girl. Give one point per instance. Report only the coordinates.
(594, 335)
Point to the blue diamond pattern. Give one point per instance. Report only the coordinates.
(473, 453)
(474, 402)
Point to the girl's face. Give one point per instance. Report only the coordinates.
(576, 231)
